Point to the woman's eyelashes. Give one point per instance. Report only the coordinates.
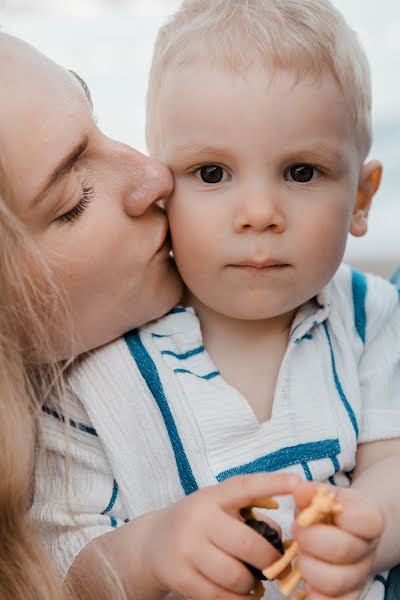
(76, 211)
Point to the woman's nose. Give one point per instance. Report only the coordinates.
(258, 211)
(152, 181)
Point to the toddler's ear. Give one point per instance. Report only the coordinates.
(368, 185)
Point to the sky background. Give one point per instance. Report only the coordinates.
(109, 43)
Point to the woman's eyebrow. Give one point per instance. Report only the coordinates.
(64, 167)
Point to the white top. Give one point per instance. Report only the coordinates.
(151, 419)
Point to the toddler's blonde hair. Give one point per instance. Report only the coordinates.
(307, 37)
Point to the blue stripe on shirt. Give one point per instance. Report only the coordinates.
(359, 289)
(335, 463)
(381, 579)
(75, 424)
(113, 499)
(307, 471)
(150, 374)
(208, 376)
(177, 310)
(287, 457)
(338, 385)
(113, 522)
(184, 355)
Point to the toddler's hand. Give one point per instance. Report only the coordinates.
(196, 547)
(336, 561)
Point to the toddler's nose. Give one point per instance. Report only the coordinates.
(259, 212)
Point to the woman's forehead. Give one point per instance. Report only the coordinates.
(43, 112)
(27, 76)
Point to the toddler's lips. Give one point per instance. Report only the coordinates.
(261, 264)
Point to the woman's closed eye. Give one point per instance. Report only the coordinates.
(76, 211)
(303, 173)
(212, 174)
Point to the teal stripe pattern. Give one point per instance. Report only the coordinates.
(113, 499)
(306, 336)
(75, 424)
(184, 355)
(381, 579)
(208, 376)
(307, 471)
(150, 374)
(113, 522)
(335, 463)
(161, 335)
(300, 454)
(338, 385)
(359, 289)
(395, 278)
(177, 310)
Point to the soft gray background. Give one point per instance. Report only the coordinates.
(109, 43)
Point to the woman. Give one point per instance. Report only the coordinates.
(84, 258)
(77, 216)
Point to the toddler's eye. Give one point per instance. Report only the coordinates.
(212, 174)
(302, 173)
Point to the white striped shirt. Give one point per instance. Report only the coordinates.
(151, 419)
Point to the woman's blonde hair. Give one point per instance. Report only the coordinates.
(28, 301)
(305, 36)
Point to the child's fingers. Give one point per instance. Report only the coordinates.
(304, 493)
(237, 539)
(360, 517)
(223, 570)
(332, 544)
(244, 490)
(312, 594)
(195, 586)
(334, 580)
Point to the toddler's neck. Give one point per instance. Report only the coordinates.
(248, 353)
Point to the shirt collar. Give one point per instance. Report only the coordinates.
(310, 314)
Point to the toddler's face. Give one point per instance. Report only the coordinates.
(266, 176)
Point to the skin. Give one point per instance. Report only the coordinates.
(254, 244)
(257, 215)
(105, 257)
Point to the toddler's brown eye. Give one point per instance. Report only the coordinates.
(212, 174)
(302, 173)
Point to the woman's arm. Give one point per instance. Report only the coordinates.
(111, 566)
(76, 498)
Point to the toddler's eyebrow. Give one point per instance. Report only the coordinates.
(318, 152)
(195, 149)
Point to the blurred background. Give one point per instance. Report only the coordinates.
(109, 43)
